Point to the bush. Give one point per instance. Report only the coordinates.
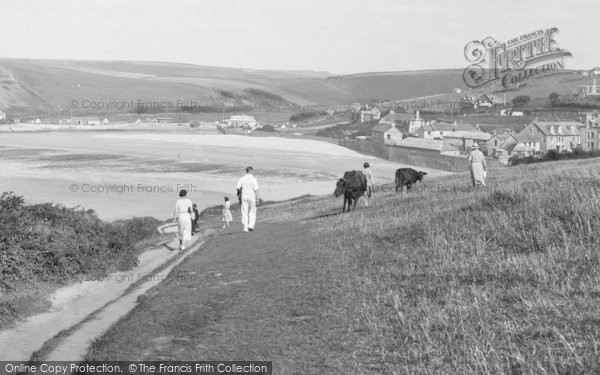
(52, 243)
(553, 155)
(306, 115)
(521, 101)
(267, 128)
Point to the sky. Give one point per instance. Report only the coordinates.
(338, 36)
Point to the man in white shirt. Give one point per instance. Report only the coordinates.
(250, 199)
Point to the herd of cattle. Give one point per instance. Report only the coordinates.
(354, 184)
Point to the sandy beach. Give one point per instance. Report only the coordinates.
(104, 172)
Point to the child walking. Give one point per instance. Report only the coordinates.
(227, 217)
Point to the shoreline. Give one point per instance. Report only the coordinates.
(45, 128)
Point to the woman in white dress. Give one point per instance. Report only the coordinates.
(477, 165)
(183, 216)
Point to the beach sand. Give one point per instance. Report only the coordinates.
(126, 174)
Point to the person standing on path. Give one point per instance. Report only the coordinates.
(477, 165)
(370, 183)
(183, 217)
(249, 198)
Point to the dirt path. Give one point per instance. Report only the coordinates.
(97, 304)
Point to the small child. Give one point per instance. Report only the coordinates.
(227, 217)
(195, 216)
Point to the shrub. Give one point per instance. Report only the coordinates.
(267, 128)
(553, 155)
(48, 242)
(306, 115)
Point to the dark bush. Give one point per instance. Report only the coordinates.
(48, 242)
(306, 115)
(267, 128)
(553, 155)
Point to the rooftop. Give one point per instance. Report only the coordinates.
(469, 135)
(398, 117)
(560, 127)
(429, 144)
(381, 128)
(522, 138)
(448, 126)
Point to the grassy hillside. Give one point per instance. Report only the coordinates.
(47, 87)
(446, 280)
(43, 87)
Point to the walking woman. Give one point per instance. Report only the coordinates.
(183, 216)
(477, 166)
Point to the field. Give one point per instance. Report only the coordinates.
(101, 171)
(446, 280)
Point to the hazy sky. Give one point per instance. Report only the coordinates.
(344, 36)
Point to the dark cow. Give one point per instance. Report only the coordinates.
(407, 177)
(353, 185)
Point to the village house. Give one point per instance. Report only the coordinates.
(464, 139)
(399, 120)
(556, 135)
(588, 90)
(415, 124)
(495, 141)
(405, 122)
(386, 134)
(522, 145)
(484, 101)
(370, 114)
(84, 120)
(590, 136)
(438, 129)
(242, 121)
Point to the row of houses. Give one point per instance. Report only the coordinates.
(368, 113)
(455, 139)
(242, 121)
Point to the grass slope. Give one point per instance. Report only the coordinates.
(36, 87)
(446, 280)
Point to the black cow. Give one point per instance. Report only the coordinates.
(407, 177)
(353, 185)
